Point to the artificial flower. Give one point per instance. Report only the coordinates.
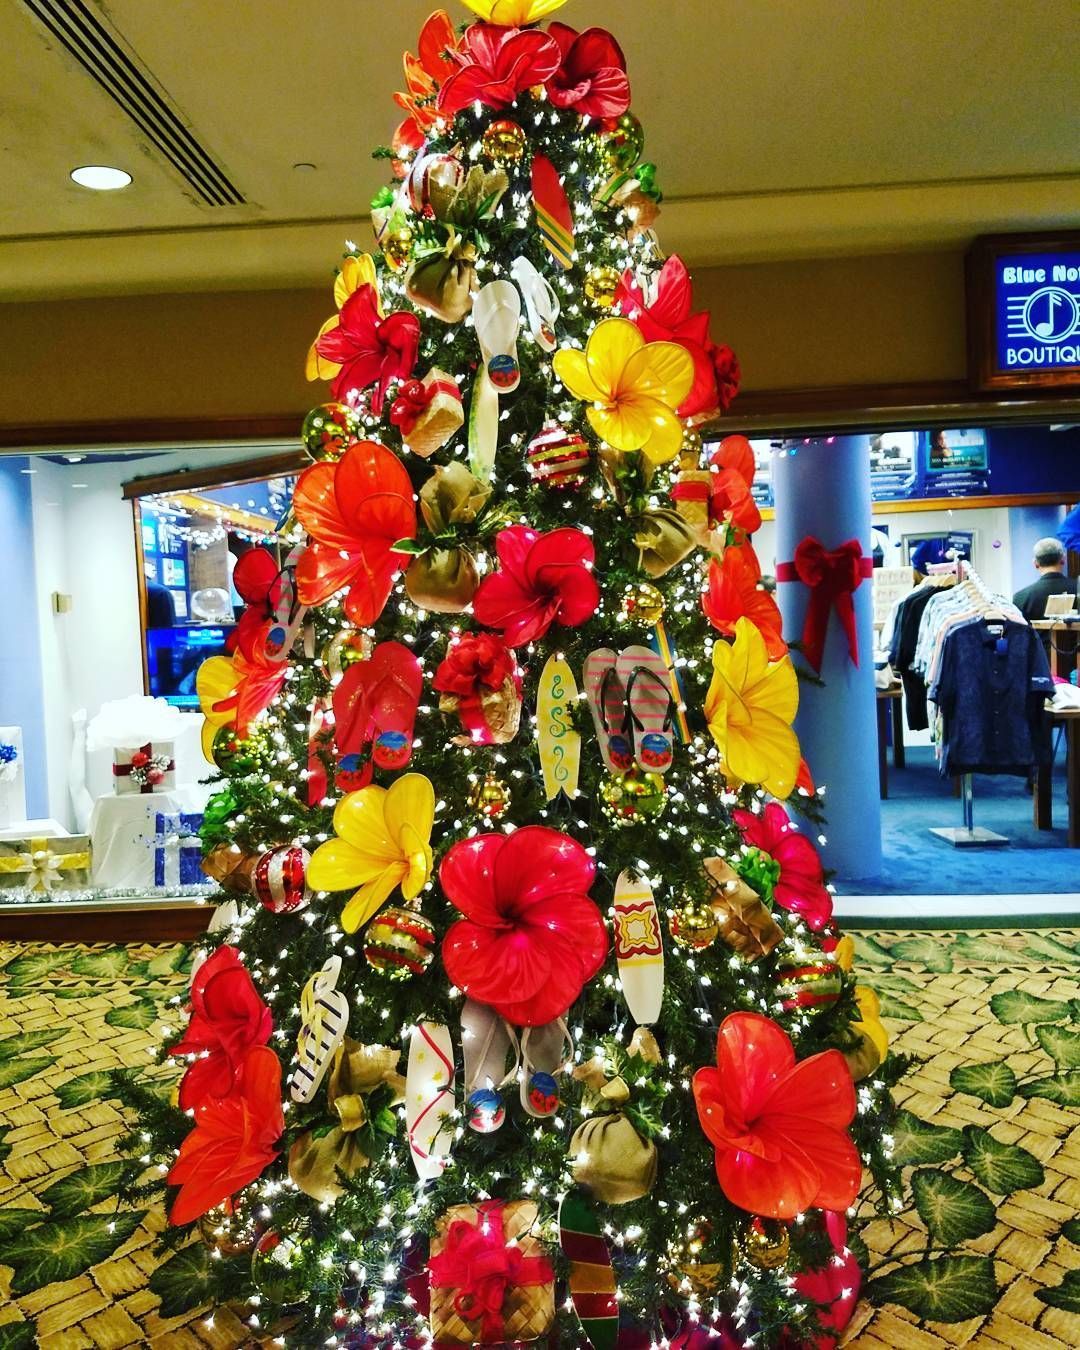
(734, 592)
(869, 1023)
(383, 840)
(355, 509)
(367, 348)
(227, 1018)
(495, 64)
(233, 1141)
(800, 885)
(779, 1127)
(592, 76)
(475, 661)
(727, 371)
(833, 1286)
(257, 580)
(632, 387)
(234, 690)
(424, 73)
(750, 707)
(531, 938)
(357, 270)
(542, 579)
(513, 13)
(215, 684)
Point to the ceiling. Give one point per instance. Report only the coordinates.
(783, 128)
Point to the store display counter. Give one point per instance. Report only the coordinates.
(1064, 644)
(1069, 718)
(148, 918)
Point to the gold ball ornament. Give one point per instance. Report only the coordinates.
(644, 603)
(491, 798)
(632, 797)
(343, 650)
(765, 1243)
(624, 140)
(503, 142)
(276, 1267)
(329, 430)
(397, 248)
(218, 1233)
(399, 943)
(600, 286)
(694, 925)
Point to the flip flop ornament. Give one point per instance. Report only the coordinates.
(644, 676)
(639, 948)
(496, 319)
(483, 426)
(661, 643)
(429, 1098)
(560, 744)
(592, 1278)
(606, 697)
(541, 302)
(324, 1019)
(553, 214)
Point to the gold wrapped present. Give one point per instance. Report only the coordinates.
(746, 924)
(45, 865)
(490, 1281)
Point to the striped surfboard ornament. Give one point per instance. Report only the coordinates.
(553, 211)
(324, 1019)
(592, 1279)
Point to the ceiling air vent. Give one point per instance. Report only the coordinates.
(82, 33)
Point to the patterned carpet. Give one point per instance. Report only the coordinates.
(990, 1124)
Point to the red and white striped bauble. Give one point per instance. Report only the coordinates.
(279, 880)
(558, 458)
(441, 171)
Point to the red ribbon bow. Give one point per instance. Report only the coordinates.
(482, 1267)
(833, 576)
(411, 402)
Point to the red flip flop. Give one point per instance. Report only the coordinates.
(397, 683)
(352, 700)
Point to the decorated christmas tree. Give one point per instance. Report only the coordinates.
(523, 1016)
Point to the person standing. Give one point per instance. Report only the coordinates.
(1050, 564)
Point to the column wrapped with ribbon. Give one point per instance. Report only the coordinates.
(490, 1282)
(443, 577)
(832, 576)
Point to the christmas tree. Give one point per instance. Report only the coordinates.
(524, 1015)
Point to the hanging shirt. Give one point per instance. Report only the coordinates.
(991, 688)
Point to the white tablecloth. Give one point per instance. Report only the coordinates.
(122, 834)
(33, 829)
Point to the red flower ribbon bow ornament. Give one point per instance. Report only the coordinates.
(370, 349)
(531, 938)
(483, 1267)
(542, 579)
(779, 1127)
(496, 64)
(228, 1018)
(833, 576)
(800, 883)
(355, 509)
(476, 662)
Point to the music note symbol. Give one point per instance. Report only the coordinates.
(1046, 328)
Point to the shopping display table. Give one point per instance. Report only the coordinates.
(890, 714)
(122, 830)
(1069, 718)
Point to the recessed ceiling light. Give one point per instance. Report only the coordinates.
(100, 177)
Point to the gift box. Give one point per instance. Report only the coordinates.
(144, 768)
(428, 412)
(490, 1282)
(177, 852)
(45, 865)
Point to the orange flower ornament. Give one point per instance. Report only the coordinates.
(750, 707)
(354, 510)
(779, 1128)
(734, 592)
(424, 75)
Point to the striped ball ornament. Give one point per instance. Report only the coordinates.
(399, 943)
(279, 879)
(809, 984)
(558, 458)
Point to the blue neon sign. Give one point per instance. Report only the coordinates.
(1037, 311)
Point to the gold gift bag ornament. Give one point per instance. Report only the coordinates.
(40, 867)
(490, 1282)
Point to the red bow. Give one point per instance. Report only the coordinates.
(412, 400)
(832, 576)
(478, 1263)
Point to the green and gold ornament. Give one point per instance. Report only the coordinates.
(694, 925)
(329, 430)
(277, 1267)
(632, 797)
(592, 1279)
(399, 943)
(808, 983)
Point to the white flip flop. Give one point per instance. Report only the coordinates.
(324, 1019)
(545, 1052)
(541, 302)
(497, 317)
(486, 1038)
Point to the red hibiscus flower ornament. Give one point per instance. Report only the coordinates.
(424, 73)
(592, 76)
(779, 1127)
(370, 350)
(233, 1142)
(496, 64)
(667, 315)
(800, 886)
(227, 1018)
(355, 509)
(542, 579)
(531, 938)
(257, 580)
(734, 592)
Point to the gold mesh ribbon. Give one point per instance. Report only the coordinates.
(609, 1157)
(746, 924)
(662, 539)
(442, 282)
(444, 578)
(230, 867)
(42, 865)
(315, 1162)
